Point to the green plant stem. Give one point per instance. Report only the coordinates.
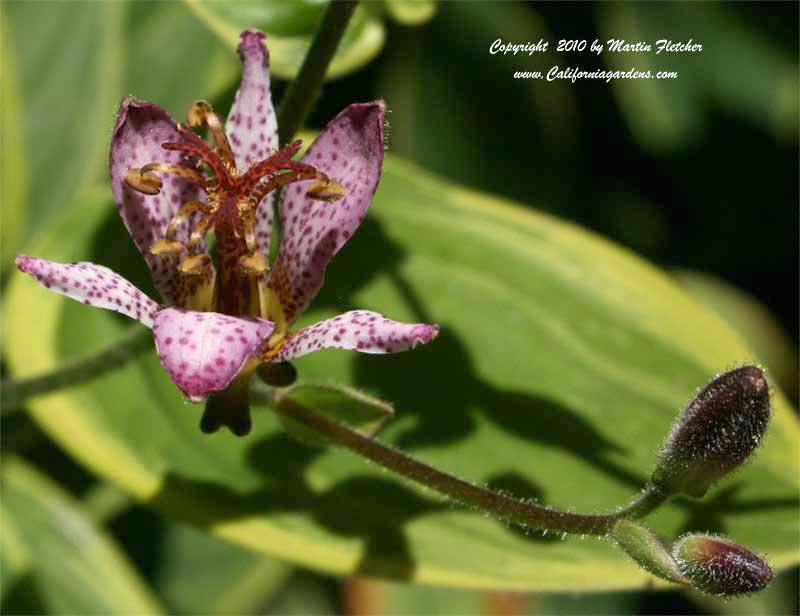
(649, 498)
(13, 394)
(303, 91)
(498, 505)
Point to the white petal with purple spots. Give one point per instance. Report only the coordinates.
(141, 129)
(91, 284)
(350, 152)
(204, 351)
(358, 330)
(251, 127)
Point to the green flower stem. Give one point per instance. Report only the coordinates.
(648, 500)
(14, 393)
(303, 91)
(501, 506)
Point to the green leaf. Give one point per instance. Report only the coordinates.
(411, 12)
(739, 69)
(198, 574)
(60, 93)
(428, 109)
(344, 404)
(290, 28)
(751, 319)
(14, 558)
(13, 165)
(201, 68)
(67, 91)
(76, 568)
(561, 364)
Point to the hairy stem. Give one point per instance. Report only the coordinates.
(498, 505)
(304, 90)
(649, 498)
(14, 393)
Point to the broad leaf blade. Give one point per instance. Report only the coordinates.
(75, 566)
(560, 366)
(13, 165)
(15, 560)
(743, 72)
(343, 404)
(199, 574)
(69, 86)
(200, 68)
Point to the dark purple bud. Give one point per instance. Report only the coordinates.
(716, 433)
(720, 567)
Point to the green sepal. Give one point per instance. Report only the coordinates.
(647, 549)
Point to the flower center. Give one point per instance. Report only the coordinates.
(229, 210)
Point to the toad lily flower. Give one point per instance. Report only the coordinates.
(222, 318)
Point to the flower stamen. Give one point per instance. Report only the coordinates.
(166, 248)
(201, 112)
(195, 265)
(254, 264)
(203, 226)
(145, 183)
(233, 197)
(326, 189)
(188, 208)
(182, 171)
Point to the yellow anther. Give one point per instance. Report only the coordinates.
(195, 265)
(254, 264)
(166, 248)
(143, 181)
(326, 190)
(197, 112)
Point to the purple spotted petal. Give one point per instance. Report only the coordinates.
(91, 284)
(350, 151)
(141, 129)
(204, 351)
(251, 127)
(358, 330)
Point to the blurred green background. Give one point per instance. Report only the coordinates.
(698, 175)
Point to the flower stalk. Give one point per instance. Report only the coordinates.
(303, 91)
(648, 500)
(713, 565)
(14, 393)
(512, 510)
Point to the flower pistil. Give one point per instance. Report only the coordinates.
(232, 197)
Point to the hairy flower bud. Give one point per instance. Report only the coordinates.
(717, 432)
(719, 566)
